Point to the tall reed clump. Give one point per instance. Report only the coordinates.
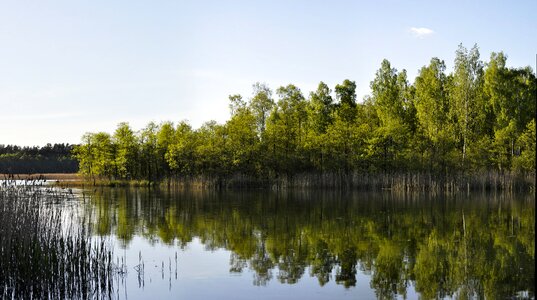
(41, 258)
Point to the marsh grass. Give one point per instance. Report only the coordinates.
(397, 181)
(82, 183)
(401, 182)
(42, 257)
(46, 176)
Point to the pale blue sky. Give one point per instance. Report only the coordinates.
(68, 67)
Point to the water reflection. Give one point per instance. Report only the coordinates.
(458, 246)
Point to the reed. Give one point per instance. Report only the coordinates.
(400, 181)
(45, 252)
(396, 181)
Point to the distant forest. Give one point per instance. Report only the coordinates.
(478, 118)
(55, 158)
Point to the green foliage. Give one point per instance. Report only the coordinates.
(96, 155)
(480, 153)
(165, 137)
(526, 142)
(126, 151)
(261, 104)
(435, 132)
(346, 94)
(286, 130)
(180, 153)
(504, 145)
(243, 141)
(210, 153)
(387, 146)
(386, 95)
(431, 99)
(321, 108)
(467, 102)
(148, 152)
(480, 117)
(511, 93)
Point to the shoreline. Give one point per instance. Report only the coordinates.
(486, 181)
(46, 176)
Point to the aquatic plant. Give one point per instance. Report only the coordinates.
(45, 251)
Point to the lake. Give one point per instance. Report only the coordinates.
(315, 244)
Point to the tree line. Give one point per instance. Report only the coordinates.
(51, 158)
(480, 117)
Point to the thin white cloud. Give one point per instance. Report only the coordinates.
(421, 32)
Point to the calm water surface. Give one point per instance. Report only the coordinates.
(316, 245)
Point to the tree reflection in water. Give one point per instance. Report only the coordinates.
(459, 246)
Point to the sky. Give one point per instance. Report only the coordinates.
(70, 67)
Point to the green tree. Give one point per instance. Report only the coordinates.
(286, 131)
(261, 104)
(165, 136)
(148, 152)
(85, 154)
(511, 92)
(126, 159)
(504, 144)
(96, 156)
(243, 141)
(386, 95)
(386, 146)
(346, 95)
(511, 96)
(320, 112)
(526, 142)
(236, 103)
(467, 104)
(320, 109)
(432, 110)
(103, 152)
(407, 98)
(211, 156)
(391, 98)
(180, 155)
